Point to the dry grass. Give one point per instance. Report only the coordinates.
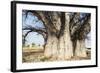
(36, 55)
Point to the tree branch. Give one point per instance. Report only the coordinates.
(40, 31)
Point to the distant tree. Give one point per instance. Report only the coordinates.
(27, 46)
(33, 44)
(39, 45)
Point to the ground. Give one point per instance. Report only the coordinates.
(36, 55)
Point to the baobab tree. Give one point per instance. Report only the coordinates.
(64, 33)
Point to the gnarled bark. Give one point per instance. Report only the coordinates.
(65, 45)
(51, 47)
(60, 48)
(80, 49)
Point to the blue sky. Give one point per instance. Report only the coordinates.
(36, 38)
(33, 37)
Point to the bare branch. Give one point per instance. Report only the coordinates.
(32, 29)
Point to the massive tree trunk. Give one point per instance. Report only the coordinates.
(65, 46)
(60, 48)
(80, 50)
(51, 47)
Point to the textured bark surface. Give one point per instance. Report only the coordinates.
(60, 48)
(68, 42)
(80, 50)
(65, 43)
(51, 47)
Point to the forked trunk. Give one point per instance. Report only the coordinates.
(60, 48)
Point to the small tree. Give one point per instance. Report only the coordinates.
(27, 46)
(39, 45)
(33, 44)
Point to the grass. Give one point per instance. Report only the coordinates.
(36, 55)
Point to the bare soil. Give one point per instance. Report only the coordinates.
(36, 55)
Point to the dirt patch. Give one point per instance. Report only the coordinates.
(37, 56)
